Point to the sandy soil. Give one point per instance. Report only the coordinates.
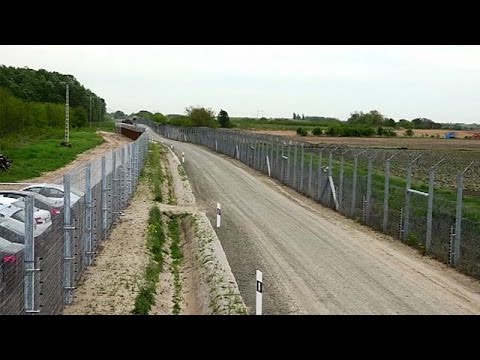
(111, 285)
(397, 142)
(315, 261)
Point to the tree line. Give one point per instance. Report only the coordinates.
(36, 98)
(375, 119)
(194, 117)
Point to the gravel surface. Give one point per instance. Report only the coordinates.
(315, 261)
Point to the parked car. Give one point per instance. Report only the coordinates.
(40, 216)
(39, 201)
(14, 230)
(9, 250)
(54, 192)
(11, 267)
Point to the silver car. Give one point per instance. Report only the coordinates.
(40, 216)
(54, 192)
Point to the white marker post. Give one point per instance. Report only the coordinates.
(219, 211)
(171, 146)
(268, 165)
(183, 157)
(259, 293)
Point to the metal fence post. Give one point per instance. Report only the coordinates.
(354, 186)
(458, 218)
(319, 175)
(88, 214)
(256, 153)
(104, 199)
(406, 219)
(302, 167)
(287, 180)
(114, 185)
(330, 172)
(340, 185)
(29, 259)
(272, 162)
(458, 221)
(68, 256)
(310, 170)
(431, 183)
(122, 179)
(368, 205)
(386, 195)
(129, 169)
(295, 172)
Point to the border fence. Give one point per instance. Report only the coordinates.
(39, 277)
(427, 199)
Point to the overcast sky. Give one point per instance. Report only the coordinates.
(441, 83)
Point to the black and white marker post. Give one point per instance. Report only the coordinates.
(259, 293)
(183, 157)
(219, 211)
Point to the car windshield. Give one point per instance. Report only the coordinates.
(19, 215)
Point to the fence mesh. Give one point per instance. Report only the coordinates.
(360, 189)
(93, 210)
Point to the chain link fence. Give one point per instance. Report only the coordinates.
(39, 271)
(428, 199)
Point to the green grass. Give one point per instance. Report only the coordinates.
(471, 204)
(104, 126)
(177, 256)
(35, 155)
(155, 241)
(171, 194)
(153, 171)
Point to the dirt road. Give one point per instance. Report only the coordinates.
(315, 261)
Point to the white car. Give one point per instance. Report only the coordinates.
(40, 216)
(40, 201)
(55, 192)
(14, 230)
(8, 250)
(17, 214)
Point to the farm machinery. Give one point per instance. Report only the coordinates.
(476, 136)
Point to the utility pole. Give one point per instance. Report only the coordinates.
(66, 141)
(90, 110)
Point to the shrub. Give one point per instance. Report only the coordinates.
(317, 131)
(302, 132)
(409, 132)
(332, 131)
(389, 132)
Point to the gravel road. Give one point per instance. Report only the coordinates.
(315, 261)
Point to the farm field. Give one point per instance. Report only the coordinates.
(414, 143)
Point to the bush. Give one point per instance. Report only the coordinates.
(332, 131)
(409, 132)
(389, 132)
(302, 132)
(317, 131)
